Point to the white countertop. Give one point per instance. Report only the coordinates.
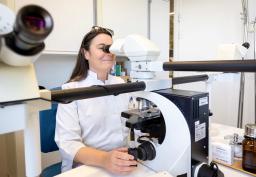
(89, 171)
(217, 131)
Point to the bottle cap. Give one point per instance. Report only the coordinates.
(250, 130)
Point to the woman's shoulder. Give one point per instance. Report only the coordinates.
(69, 85)
(88, 82)
(76, 84)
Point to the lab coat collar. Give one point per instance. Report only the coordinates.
(93, 75)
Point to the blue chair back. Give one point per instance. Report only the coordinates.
(47, 129)
(47, 120)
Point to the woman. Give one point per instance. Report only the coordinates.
(91, 131)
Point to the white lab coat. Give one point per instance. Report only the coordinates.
(94, 122)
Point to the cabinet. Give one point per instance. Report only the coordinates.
(72, 20)
(124, 17)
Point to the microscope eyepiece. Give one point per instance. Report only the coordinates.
(105, 48)
(33, 24)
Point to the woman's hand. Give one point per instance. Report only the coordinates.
(118, 161)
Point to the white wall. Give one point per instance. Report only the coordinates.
(124, 17)
(200, 26)
(159, 30)
(54, 70)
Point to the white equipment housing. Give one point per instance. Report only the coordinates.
(20, 96)
(143, 54)
(174, 154)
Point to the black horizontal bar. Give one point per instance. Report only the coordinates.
(69, 95)
(212, 65)
(189, 79)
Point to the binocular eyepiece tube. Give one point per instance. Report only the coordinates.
(33, 24)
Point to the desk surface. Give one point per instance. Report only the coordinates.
(216, 131)
(88, 171)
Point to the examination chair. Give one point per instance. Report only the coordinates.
(47, 120)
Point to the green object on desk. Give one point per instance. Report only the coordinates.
(118, 70)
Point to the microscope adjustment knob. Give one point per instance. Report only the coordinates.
(146, 151)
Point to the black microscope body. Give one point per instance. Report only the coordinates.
(149, 120)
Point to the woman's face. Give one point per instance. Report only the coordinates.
(100, 61)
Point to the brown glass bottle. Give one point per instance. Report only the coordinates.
(249, 148)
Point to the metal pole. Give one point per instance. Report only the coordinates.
(149, 19)
(255, 98)
(254, 53)
(241, 101)
(69, 95)
(95, 13)
(189, 79)
(242, 76)
(214, 65)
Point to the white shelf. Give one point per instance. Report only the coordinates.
(54, 52)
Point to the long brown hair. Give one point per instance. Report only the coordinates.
(81, 68)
